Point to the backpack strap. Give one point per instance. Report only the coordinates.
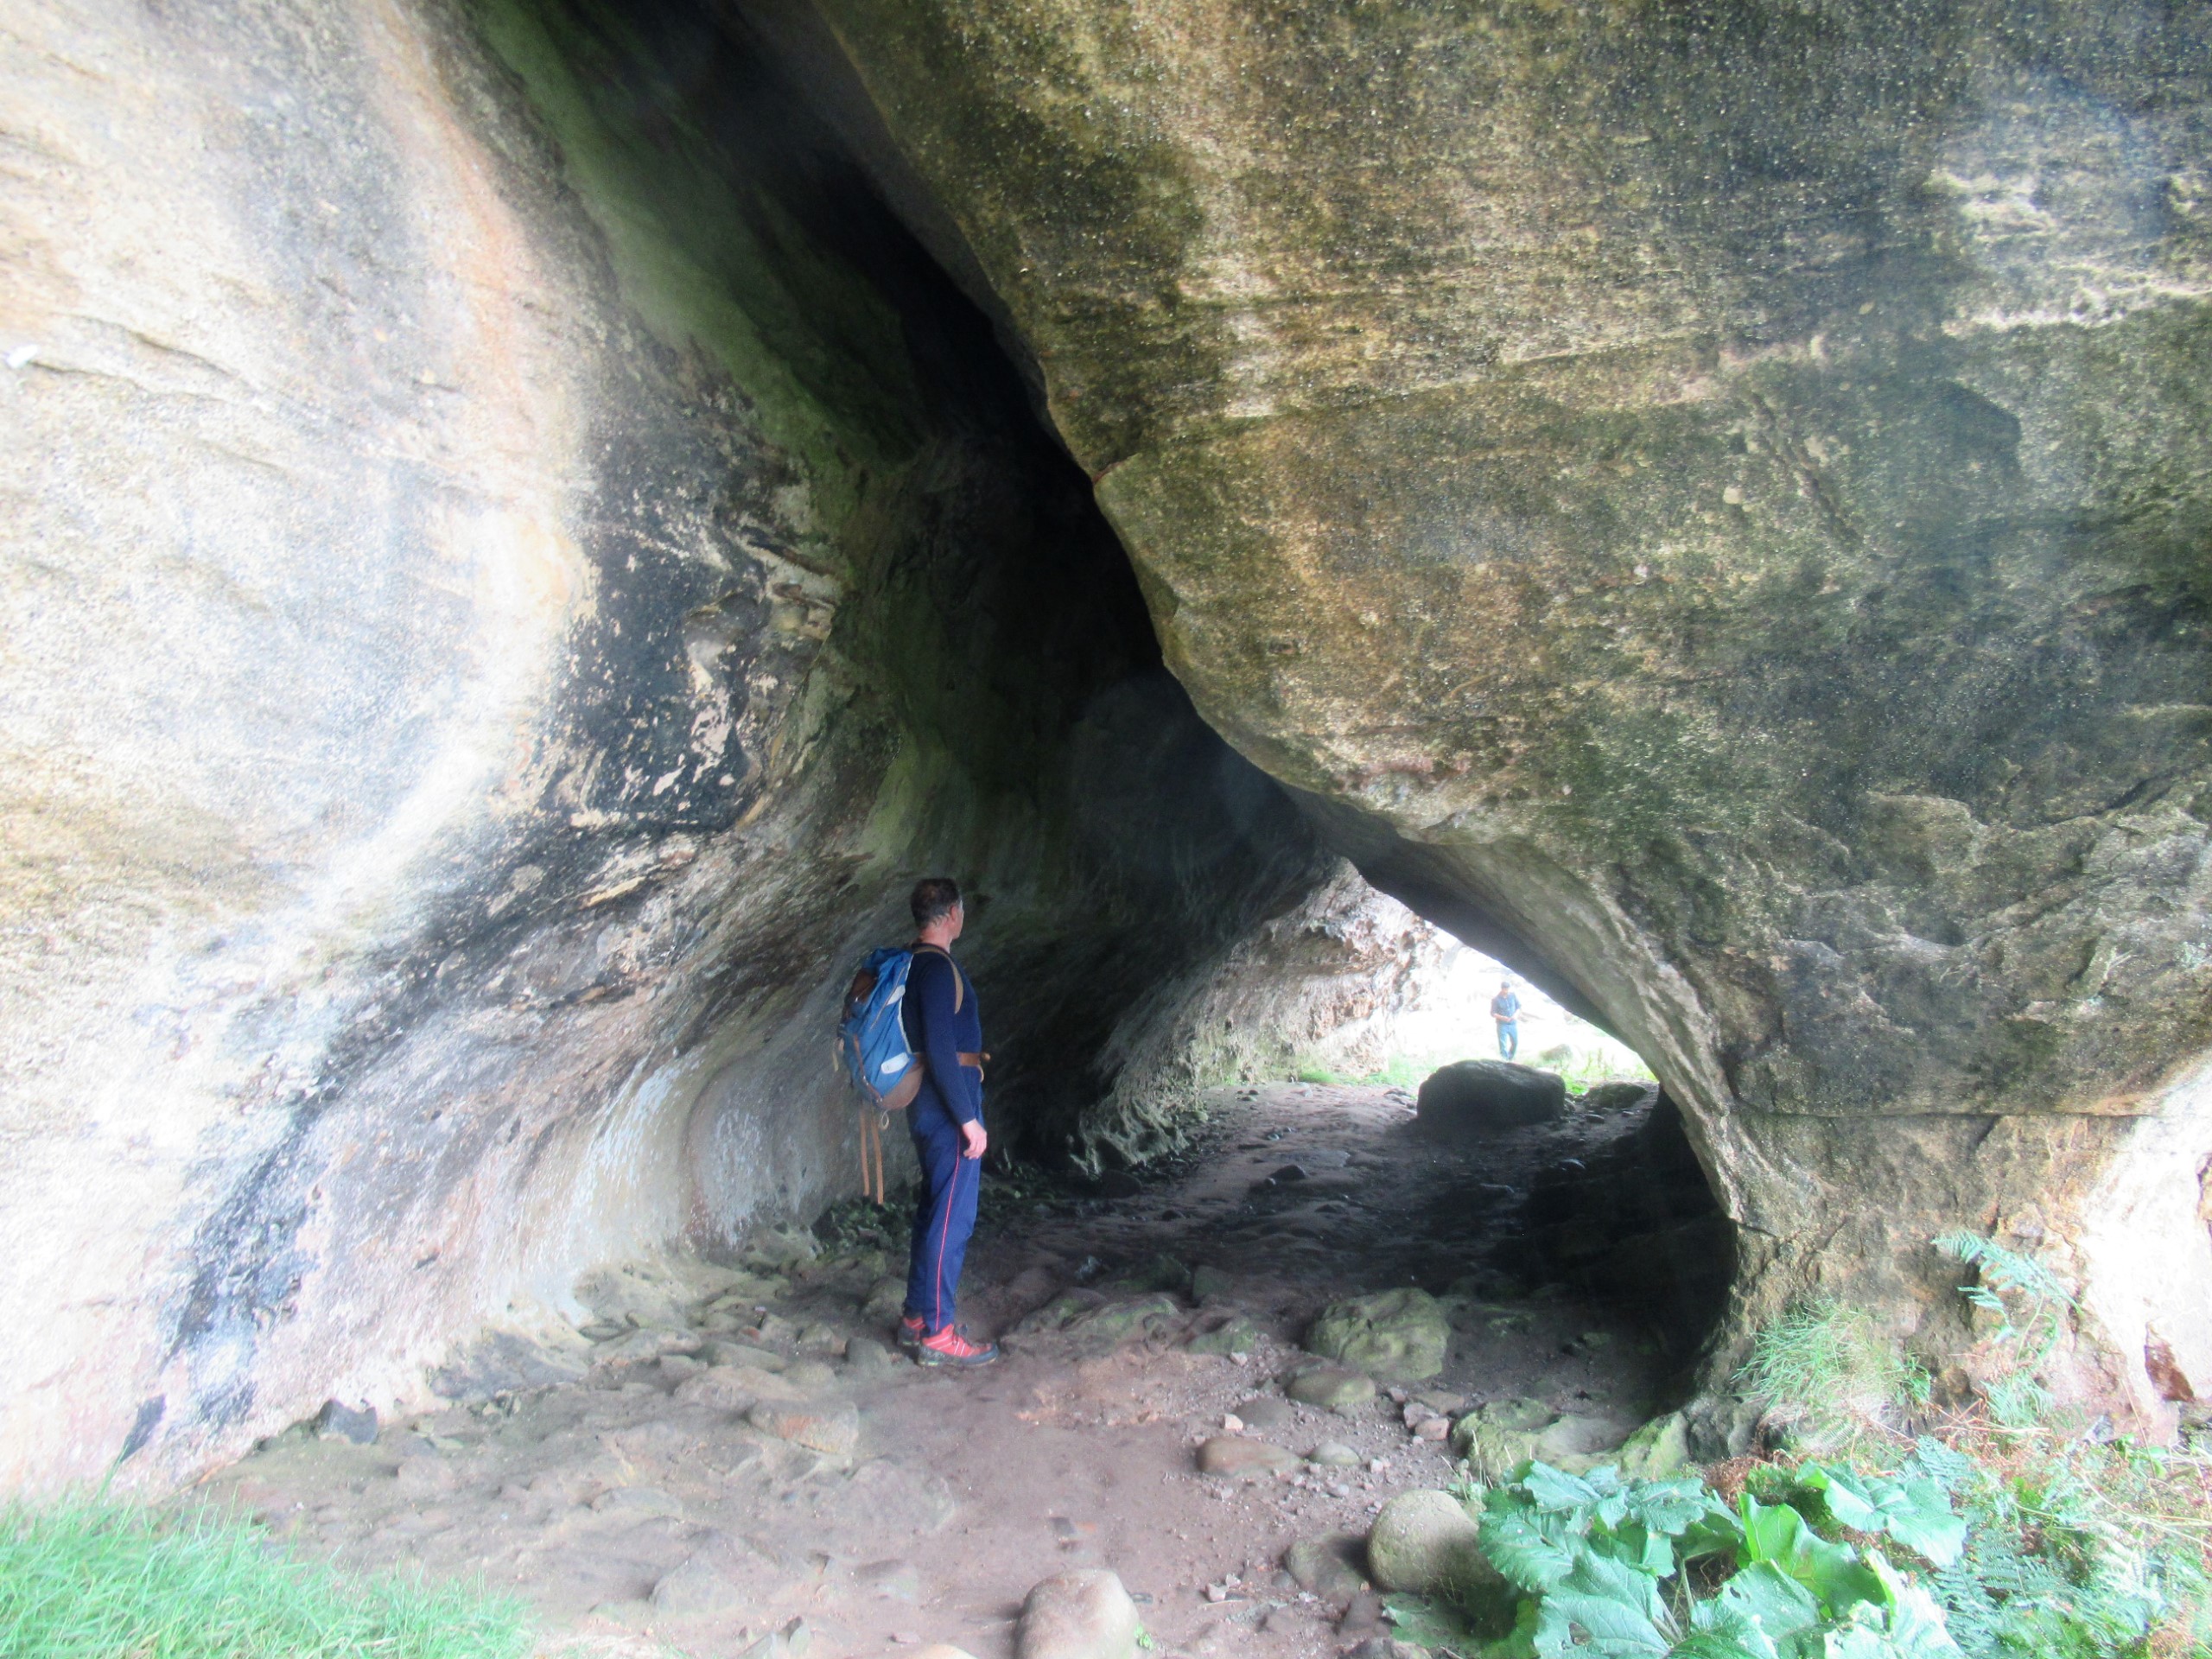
(959, 979)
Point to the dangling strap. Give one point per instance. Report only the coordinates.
(873, 1123)
(959, 979)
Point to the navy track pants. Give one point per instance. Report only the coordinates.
(944, 1216)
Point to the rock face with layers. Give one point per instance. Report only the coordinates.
(1711, 506)
(517, 562)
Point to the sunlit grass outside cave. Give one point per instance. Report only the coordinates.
(1559, 656)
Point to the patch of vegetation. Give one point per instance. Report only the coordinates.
(1829, 1379)
(1670, 1569)
(2016, 1530)
(95, 1577)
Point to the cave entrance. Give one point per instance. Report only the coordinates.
(1163, 939)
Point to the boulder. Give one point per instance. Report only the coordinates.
(1235, 1335)
(1500, 1435)
(1615, 1097)
(1085, 1615)
(1331, 1388)
(1399, 1335)
(1471, 1098)
(1426, 1542)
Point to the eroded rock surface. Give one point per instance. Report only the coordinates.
(517, 561)
(1711, 508)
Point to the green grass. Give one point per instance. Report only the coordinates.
(1829, 1378)
(87, 1578)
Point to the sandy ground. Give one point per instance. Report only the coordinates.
(669, 1498)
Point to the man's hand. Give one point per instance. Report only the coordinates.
(976, 1139)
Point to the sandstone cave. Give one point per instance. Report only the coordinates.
(534, 521)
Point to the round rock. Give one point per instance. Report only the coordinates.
(1426, 1542)
(1085, 1615)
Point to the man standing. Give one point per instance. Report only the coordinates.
(943, 1026)
(1505, 1008)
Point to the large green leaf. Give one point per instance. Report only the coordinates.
(1671, 1507)
(1718, 1631)
(1915, 1511)
(1833, 1572)
(1533, 1550)
(1783, 1607)
(1604, 1608)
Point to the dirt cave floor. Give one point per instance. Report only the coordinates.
(732, 1450)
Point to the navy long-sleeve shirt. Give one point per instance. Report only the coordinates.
(940, 1036)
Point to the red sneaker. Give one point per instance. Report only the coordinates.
(948, 1347)
(912, 1330)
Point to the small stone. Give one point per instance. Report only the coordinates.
(678, 1367)
(1330, 1567)
(342, 1422)
(822, 1339)
(1335, 1455)
(1086, 1615)
(833, 1431)
(1433, 1428)
(865, 1358)
(1264, 1411)
(1239, 1459)
(1231, 1423)
(1333, 1387)
(1425, 1542)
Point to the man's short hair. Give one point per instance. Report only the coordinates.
(935, 898)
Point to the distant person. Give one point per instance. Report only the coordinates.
(1505, 1008)
(943, 1026)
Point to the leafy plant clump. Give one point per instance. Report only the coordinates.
(1666, 1569)
(86, 1577)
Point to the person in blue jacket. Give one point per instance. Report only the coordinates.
(944, 1027)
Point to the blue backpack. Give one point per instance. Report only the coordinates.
(871, 1036)
(872, 1042)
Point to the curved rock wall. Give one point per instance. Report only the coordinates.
(517, 562)
(1711, 503)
